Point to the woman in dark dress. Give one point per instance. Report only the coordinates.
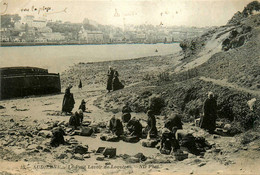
(173, 121)
(68, 101)
(134, 127)
(116, 126)
(76, 119)
(169, 143)
(151, 125)
(208, 121)
(116, 84)
(82, 106)
(110, 76)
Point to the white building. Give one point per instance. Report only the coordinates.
(5, 38)
(38, 23)
(44, 30)
(40, 40)
(28, 19)
(19, 26)
(91, 36)
(56, 36)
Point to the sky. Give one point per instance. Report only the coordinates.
(198, 13)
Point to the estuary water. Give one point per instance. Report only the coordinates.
(57, 58)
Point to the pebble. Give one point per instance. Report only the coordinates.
(209, 151)
(217, 150)
(47, 150)
(215, 136)
(202, 164)
(39, 147)
(62, 156)
(78, 157)
(245, 148)
(227, 126)
(45, 133)
(32, 146)
(100, 158)
(87, 156)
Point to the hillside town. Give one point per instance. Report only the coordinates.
(28, 29)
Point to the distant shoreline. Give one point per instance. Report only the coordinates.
(11, 44)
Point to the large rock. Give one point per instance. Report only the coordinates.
(79, 149)
(109, 152)
(86, 131)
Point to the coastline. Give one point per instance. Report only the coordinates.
(11, 44)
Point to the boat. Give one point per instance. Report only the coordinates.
(26, 81)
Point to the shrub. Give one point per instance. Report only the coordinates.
(236, 128)
(156, 103)
(146, 94)
(148, 77)
(163, 76)
(248, 137)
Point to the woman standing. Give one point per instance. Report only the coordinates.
(116, 84)
(208, 120)
(151, 125)
(68, 101)
(110, 76)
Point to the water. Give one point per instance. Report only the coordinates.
(59, 58)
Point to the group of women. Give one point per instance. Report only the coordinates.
(113, 82)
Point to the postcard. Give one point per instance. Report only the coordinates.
(129, 87)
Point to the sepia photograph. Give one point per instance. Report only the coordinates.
(108, 87)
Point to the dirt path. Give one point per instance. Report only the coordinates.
(230, 85)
